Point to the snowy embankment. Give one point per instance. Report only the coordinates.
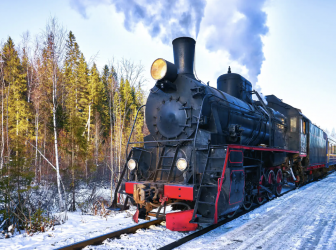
(302, 219)
(78, 227)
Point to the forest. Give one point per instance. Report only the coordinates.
(64, 125)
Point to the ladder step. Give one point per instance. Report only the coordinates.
(167, 156)
(163, 169)
(209, 203)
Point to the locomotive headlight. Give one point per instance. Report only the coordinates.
(181, 164)
(162, 69)
(159, 69)
(131, 164)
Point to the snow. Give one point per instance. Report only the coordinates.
(304, 218)
(152, 238)
(78, 227)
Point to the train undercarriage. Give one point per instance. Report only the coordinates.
(232, 177)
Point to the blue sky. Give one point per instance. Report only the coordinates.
(299, 48)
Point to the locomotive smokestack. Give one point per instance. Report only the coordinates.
(184, 52)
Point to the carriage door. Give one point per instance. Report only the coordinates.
(304, 130)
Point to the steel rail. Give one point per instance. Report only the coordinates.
(99, 239)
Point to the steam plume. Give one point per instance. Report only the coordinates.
(163, 19)
(232, 26)
(237, 27)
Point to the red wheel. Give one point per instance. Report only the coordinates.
(259, 199)
(278, 181)
(270, 178)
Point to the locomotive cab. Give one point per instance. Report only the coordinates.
(298, 129)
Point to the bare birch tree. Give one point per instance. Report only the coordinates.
(54, 40)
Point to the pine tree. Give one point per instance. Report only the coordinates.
(16, 88)
(18, 173)
(98, 111)
(109, 79)
(72, 90)
(139, 101)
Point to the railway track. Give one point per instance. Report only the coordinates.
(99, 239)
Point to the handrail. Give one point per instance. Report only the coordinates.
(114, 202)
(129, 138)
(269, 117)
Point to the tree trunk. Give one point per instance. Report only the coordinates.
(73, 173)
(36, 143)
(111, 142)
(61, 201)
(96, 138)
(88, 139)
(2, 124)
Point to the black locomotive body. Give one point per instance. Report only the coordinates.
(211, 150)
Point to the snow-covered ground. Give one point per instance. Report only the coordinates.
(302, 219)
(77, 228)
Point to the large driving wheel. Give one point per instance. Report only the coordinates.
(260, 199)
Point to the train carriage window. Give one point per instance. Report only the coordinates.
(293, 125)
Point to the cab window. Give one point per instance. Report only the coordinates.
(293, 122)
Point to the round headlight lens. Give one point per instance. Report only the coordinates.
(159, 69)
(131, 164)
(181, 164)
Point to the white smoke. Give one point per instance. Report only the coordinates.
(237, 27)
(232, 26)
(163, 19)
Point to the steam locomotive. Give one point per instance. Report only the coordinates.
(212, 151)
